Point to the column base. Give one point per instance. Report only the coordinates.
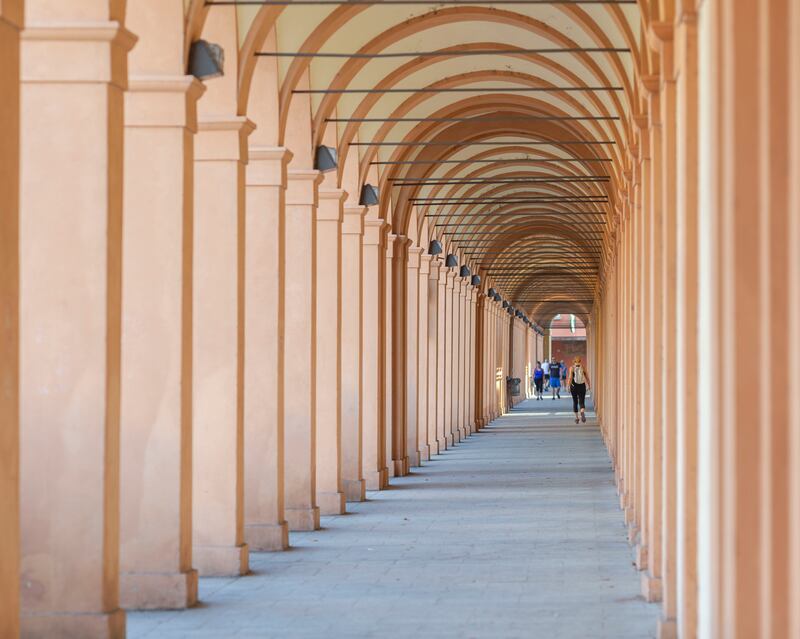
(413, 458)
(158, 591)
(302, 519)
(424, 453)
(640, 557)
(377, 480)
(101, 625)
(463, 432)
(331, 503)
(633, 534)
(448, 440)
(354, 489)
(651, 588)
(221, 561)
(630, 515)
(400, 467)
(442, 445)
(667, 629)
(623, 500)
(267, 537)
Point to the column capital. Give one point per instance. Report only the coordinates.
(302, 187)
(267, 165)
(163, 101)
(373, 231)
(222, 138)
(353, 222)
(450, 278)
(425, 263)
(331, 213)
(79, 52)
(414, 256)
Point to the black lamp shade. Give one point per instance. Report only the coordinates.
(492, 293)
(451, 260)
(506, 304)
(326, 159)
(206, 60)
(464, 271)
(435, 247)
(476, 280)
(369, 195)
(497, 297)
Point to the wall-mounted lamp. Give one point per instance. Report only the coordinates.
(497, 297)
(206, 60)
(491, 293)
(476, 280)
(451, 261)
(506, 304)
(325, 159)
(369, 195)
(435, 247)
(464, 271)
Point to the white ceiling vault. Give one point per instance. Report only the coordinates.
(510, 150)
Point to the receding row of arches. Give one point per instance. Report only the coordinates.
(232, 302)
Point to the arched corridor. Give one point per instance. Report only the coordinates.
(514, 534)
(262, 259)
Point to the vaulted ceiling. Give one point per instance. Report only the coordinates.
(501, 129)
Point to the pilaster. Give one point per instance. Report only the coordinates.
(156, 394)
(265, 526)
(353, 482)
(298, 365)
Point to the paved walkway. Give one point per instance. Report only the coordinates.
(515, 533)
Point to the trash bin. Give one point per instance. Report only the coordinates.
(513, 386)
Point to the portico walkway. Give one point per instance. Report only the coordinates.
(514, 533)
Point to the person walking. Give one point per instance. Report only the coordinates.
(546, 369)
(555, 378)
(578, 382)
(538, 379)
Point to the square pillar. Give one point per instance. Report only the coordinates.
(70, 274)
(376, 473)
(423, 435)
(387, 339)
(412, 354)
(397, 316)
(11, 16)
(156, 405)
(435, 423)
(218, 389)
(298, 365)
(353, 482)
(450, 317)
(330, 495)
(265, 526)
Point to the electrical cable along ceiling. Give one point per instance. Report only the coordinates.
(496, 127)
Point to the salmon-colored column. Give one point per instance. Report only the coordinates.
(376, 473)
(447, 382)
(651, 580)
(423, 431)
(218, 389)
(265, 526)
(330, 496)
(10, 23)
(156, 408)
(435, 424)
(298, 364)
(387, 306)
(686, 333)
(412, 355)
(353, 482)
(399, 356)
(73, 76)
(458, 359)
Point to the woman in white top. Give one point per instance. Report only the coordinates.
(578, 382)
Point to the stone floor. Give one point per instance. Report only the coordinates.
(514, 533)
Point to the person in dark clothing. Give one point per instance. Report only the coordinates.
(578, 381)
(555, 378)
(538, 380)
